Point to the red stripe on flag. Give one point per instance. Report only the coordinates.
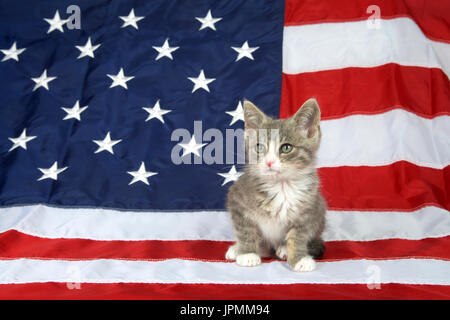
(430, 16)
(14, 245)
(136, 291)
(344, 92)
(436, 248)
(401, 185)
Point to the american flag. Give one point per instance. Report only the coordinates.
(92, 204)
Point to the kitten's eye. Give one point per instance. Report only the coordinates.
(286, 148)
(260, 148)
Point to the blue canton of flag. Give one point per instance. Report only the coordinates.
(88, 102)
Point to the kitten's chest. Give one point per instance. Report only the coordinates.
(282, 203)
(284, 198)
(273, 230)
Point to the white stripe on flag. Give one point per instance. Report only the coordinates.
(327, 46)
(407, 271)
(381, 139)
(106, 224)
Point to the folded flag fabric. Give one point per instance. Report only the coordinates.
(119, 131)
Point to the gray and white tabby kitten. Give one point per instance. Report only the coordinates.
(275, 205)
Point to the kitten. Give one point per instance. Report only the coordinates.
(275, 205)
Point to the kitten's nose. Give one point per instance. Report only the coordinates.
(269, 163)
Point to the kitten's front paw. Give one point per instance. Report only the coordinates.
(281, 252)
(248, 260)
(305, 264)
(231, 253)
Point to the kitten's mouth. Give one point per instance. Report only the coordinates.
(272, 171)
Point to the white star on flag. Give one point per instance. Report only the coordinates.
(244, 51)
(88, 49)
(208, 21)
(156, 112)
(131, 20)
(12, 53)
(56, 23)
(165, 50)
(191, 147)
(106, 144)
(21, 141)
(231, 175)
(52, 172)
(141, 174)
(74, 112)
(120, 79)
(237, 114)
(201, 82)
(42, 80)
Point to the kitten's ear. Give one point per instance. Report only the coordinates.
(253, 117)
(307, 117)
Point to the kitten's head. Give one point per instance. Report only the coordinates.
(281, 148)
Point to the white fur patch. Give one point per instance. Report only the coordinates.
(282, 252)
(231, 252)
(305, 264)
(273, 230)
(285, 195)
(248, 260)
